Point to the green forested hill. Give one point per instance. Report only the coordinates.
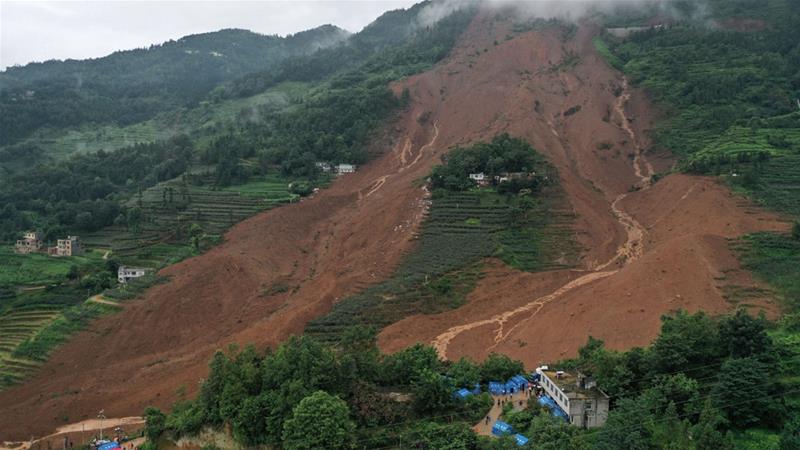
(131, 86)
(332, 120)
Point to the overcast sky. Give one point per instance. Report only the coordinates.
(41, 30)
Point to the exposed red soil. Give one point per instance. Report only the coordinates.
(676, 255)
(355, 233)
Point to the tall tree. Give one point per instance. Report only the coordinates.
(319, 421)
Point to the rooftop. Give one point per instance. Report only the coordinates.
(568, 382)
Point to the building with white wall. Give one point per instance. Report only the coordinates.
(578, 395)
(126, 274)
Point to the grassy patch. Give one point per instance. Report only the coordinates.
(605, 52)
(37, 268)
(756, 439)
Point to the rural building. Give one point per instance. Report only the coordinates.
(70, 246)
(345, 168)
(323, 166)
(479, 178)
(577, 395)
(125, 274)
(31, 242)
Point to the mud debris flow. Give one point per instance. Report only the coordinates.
(645, 252)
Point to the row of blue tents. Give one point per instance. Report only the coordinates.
(515, 384)
(501, 428)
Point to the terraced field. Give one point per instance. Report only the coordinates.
(778, 184)
(170, 208)
(461, 229)
(25, 314)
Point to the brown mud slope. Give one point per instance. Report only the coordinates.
(354, 234)
(323, 248)
(651, 249)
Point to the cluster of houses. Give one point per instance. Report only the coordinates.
(32, 242)
(481, 179)
(338, 168)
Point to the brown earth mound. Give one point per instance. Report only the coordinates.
(544, 86)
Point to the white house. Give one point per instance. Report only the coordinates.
(479, 178)
(577, 395)
(323, 166)
(125, 274)
(345, 168)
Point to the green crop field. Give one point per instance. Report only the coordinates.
(39, 269)
(461, 229)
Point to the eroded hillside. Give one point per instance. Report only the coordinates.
(647, 249)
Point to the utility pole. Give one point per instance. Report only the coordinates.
(101, 415)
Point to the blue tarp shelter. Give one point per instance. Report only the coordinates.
(462, 394)
(477, 389)
(558, 412)
(551, 404)
(519, 382)
(521, 440)
(501, 428)
(108, 446)
(536, 377)
(497, 388)
(547, 402)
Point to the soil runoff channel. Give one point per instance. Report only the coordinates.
(628, 251)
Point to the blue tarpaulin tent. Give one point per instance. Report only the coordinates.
(551, 404)
(462, 394)
(520, 381)
(501, 428)
(558, 412)
(477, 389)
(521, 440)
(547, 402)
(108, 446)
(497, 388)
(536, 377)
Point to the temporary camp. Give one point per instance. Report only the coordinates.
(497, 388)
(462, 394)
(501, 428)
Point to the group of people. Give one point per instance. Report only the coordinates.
(530, 390)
